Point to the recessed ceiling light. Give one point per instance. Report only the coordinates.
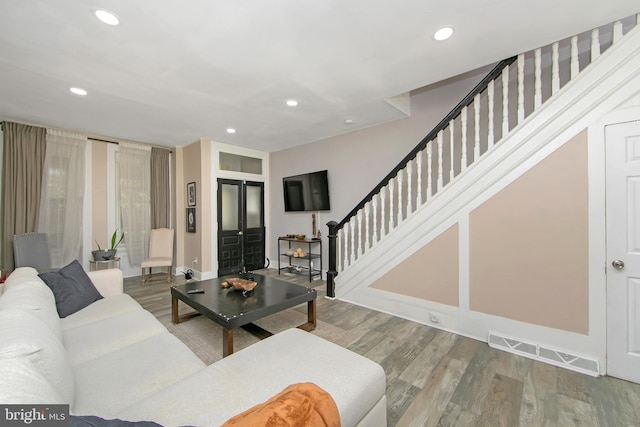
(348, 122)
(443, 33)
(107, 17)
(231, 130)
(78, 91)
(292, 102)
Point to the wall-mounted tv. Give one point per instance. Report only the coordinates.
(306, 192)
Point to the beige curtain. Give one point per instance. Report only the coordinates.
(62, 200)
(135, 199)
(160, 190)
(22, 165)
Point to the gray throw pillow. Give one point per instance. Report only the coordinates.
(72, 288)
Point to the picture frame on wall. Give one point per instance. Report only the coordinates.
(191, 194)
(191, 220)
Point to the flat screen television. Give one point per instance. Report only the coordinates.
(306, 192)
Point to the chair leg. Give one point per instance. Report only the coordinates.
(142, 276)
(169, 274)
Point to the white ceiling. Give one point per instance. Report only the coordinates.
(176, 71)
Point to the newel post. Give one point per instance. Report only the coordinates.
(332, 272)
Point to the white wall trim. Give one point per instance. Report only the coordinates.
(217, 148)
(597, 222)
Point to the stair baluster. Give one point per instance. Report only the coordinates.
(505, 102)
(617, 31)
(595, 44)
(575, 59)
(555, 69)
(409, 187)
(383, 206)
(391, 187)
(359, 240)
(352, 225)
(419, 179)
(440, 174)
(476, 127)
(537, 96)
(400, 179)
(463, 158)
(429, 171)
(520, 88)
(367, 213)
(491, 106)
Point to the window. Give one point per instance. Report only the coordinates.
(239, 163)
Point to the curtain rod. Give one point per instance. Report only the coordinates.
(117, 143)
(89, 138)
(104, 140)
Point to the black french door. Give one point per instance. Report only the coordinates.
(241, 233)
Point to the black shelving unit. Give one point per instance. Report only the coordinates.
(310, 264)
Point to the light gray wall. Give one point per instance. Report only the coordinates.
(357, 161)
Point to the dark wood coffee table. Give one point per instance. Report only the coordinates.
(232, 309)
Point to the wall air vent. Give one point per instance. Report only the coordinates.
(545, 354)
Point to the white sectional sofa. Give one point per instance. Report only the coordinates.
(114, 360)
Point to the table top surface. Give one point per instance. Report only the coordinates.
(293, 239)
(231, 309)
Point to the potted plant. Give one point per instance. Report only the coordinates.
(107, 254)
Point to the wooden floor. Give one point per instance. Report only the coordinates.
(435, 378)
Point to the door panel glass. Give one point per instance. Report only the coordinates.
(230, 203)
(254, 207)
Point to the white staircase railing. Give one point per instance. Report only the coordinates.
(509, 94)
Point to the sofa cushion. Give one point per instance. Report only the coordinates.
(26, 336)
(100, 310)
(107, 281)
(22, 383)
(21, 274)
(36, 297)
(298, 357)
(144, 368)
(96, 339)
(72, 288)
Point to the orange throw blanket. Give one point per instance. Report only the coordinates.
(303, 404)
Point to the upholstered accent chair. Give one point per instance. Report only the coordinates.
(32, 250)
(160, 252)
